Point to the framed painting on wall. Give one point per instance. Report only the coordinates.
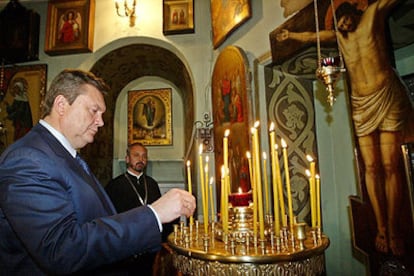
(178, 16)
(149, 116)
(70, 26)
(231, 103)
(19, 34)
(22, 89)
(226, 17)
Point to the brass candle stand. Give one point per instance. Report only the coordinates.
(240, 251)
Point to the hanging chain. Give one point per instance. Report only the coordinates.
(336, 34)
(318, 38)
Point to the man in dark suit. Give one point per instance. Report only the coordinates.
(135, 188)
(55, 217)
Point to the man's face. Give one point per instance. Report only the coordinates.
(137, 158)
(80, 120)
(346, 24)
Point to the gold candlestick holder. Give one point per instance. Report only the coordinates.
(296, 251)
(329, 72)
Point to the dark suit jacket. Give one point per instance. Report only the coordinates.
(56, 219)
(124, 198)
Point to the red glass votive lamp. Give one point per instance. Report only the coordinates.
(240, 199)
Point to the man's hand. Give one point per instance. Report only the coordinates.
(173, 204)
(282, 35)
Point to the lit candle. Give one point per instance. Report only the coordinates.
(240, 198)
(274, 157)
(312, 189)
(226, 157)
(226, 177)
(257, 175)
(212, 200)
(206, 185)
(226, 148)
(287, 179)
(226, 201)
(311, 198)
(249, 160)
(253, 186)
(228, 189)
(222, 199)
(280, 189)
(190, 188)
(266, 183)
(318, 200)
(276, 168)
(202, 184)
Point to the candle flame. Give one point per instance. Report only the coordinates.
(272, 127)
(256, 124)
(206, 168)
(308, 173)
(276, 146)
(264, 155)
(310, 159)
(240, 190)
(253, 130)
(248, 155)
(284, 145)
(227, 133)
(207, 158)
(317, 176)
(188, 163)
(211, 180)
(200, 148)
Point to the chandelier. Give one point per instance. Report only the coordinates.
(127, 11)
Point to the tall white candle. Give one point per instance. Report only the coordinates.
(222, 197)
(202, 184)
(254, 194)
(190, 185)
(318, 201)
(226, 158)
(312, 190)
(226, 177)
(257, 174)
(266, 188)
(212, 200)
(280, 190)
(206, 176)
(226, 148)
(288, 188)
(249, 160)
(274, 157)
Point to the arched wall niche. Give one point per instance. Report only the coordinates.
(120, 66)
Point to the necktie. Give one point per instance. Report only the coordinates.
(83, 164)
(94, 184)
